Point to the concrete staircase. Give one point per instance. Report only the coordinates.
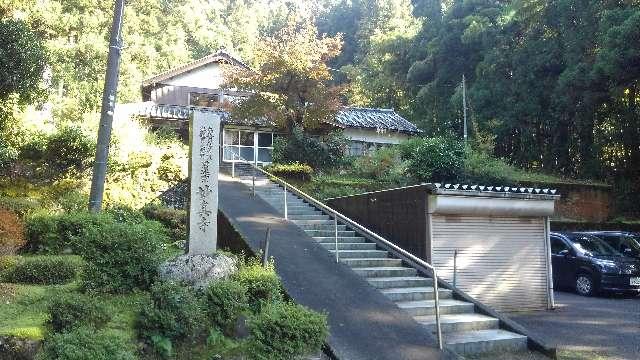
(464, 330)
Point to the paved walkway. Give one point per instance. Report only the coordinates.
(364, 324)
(607, 325)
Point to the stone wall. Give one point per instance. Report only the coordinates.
(581, 202)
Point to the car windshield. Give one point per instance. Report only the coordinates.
(593, 246)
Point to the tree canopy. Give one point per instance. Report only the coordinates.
(291, 84)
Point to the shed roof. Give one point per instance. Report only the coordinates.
(217, 57)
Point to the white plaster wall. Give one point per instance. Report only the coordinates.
(372, 136)
(207, 77)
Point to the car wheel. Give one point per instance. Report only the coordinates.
(584, 285)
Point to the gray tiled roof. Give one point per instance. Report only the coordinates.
(504, 191)
(368, 118)
(181, 112)
(348, 117)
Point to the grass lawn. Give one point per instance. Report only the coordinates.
(23, 309)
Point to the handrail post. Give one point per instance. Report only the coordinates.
(286, 216)
(436, 298)
(233, 167)
(335, 223)
(455, 266)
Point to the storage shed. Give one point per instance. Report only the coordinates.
(498, 237)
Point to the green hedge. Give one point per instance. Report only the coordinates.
(72, 310)
(122, 257)
(296, 170)
(85, 343)
(176, 313)
(284, 331)
(56, 234)
(226, 301)
(45, 270)
(263, 284)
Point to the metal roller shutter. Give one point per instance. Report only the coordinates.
(501, 260)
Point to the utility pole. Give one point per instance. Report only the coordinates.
(464, 107)
(108, 106)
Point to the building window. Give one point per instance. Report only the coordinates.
(204, 100)
(246, 145)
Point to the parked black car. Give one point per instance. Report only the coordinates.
(625, 242)
(589, 265)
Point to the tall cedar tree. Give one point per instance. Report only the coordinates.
(292, 85)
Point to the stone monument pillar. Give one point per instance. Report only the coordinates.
(204, 154)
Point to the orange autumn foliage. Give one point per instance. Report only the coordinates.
(11, 233)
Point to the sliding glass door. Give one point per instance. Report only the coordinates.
(247, 145)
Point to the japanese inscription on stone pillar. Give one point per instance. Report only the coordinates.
(203, 169)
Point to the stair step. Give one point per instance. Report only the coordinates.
(325, 227)
(325, 233)
(427, 307)
(482, 341)
(341, 239)
(299, 211)
(309, 217)
(314, 222)
(459, 322)
(415, 293)
(371, 262)
(356, 254)
(342, 246)
(401, 281)
(371, 272)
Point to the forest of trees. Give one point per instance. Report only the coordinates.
(551, 85)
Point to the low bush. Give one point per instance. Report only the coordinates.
(11, 233)
(301, 147)
(84, 343)
(176, 313)
(122, 257)
(55, 234)
(296, 170)
(436, 159)
(175, 220)
(125, 214)
(226, 300)
(284, 331)
(22, 206)
(385, 165)
(7, 264)
(262, 283)
(73, 310)
(69, 149)
(45, 270)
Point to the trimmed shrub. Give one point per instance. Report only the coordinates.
(175, 314)
(69, 149)
(11, 233)
(226, 300)
(45, 270)
(85, 343)
(263, 284)
(175, 220)
(73, 310)
(294, 170)
(284, 331)
(55, 234)
(301, 147)
(121, 257)
(125, 214)
(7, 264)
(22, 206)
(436, 159)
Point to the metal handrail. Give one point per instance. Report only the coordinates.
(361, 228)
